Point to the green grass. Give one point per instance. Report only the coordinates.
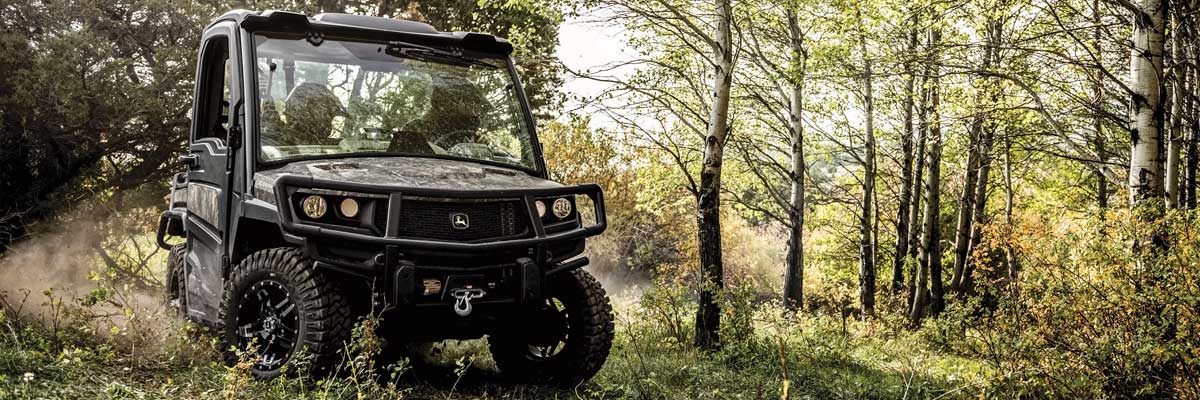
(819, 359)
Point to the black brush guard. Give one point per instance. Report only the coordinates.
(401, 276)
(287, 185)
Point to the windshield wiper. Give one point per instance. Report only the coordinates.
(413, 50)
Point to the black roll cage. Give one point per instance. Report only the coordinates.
(285, 23)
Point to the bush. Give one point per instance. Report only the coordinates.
(1087, 317)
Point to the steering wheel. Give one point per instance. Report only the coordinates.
(448, 139)
(406, 141)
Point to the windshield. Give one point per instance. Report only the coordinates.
(354, 98)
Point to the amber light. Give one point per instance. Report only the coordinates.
(349, 208)
(314, 206)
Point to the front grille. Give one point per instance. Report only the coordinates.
(424, 218)
(380, 217)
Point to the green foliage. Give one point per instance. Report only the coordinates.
(644, 234)
(92, 97)
(95, 97)
(1087, 318)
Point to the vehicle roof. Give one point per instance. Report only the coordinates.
(293, 21)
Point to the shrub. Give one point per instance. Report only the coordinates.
(1087, 317)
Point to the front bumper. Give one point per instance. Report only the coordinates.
(512, 269)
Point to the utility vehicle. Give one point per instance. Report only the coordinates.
(340, 165)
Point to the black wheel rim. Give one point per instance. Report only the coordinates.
(266, 324)
(553, 330)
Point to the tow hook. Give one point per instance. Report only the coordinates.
(463, 297)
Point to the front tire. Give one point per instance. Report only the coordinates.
(568, 338)
(175, 279)
(275, 304)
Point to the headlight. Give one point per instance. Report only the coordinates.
(541, 208)
(562, 208)
(349, 208)
(314, 206)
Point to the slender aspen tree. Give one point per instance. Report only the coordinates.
(708, 199)
(793, 289)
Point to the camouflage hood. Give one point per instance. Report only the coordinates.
(431, 173)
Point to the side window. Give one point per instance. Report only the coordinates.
(215, 88)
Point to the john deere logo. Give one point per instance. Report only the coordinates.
(460, 221)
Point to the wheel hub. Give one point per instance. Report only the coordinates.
(267, 323)
(270, 325)
(551, 326)
(552, 329)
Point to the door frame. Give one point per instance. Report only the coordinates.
(210, 197)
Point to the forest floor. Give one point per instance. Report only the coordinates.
(95, 337)
(815, 357)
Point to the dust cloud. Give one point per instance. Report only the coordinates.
(58, 264)
(60, 260)
(624, 287)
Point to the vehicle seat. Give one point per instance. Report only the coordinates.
(309, 112)
(271, 124)
(455, 114)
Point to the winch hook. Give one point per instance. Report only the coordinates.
(463, 297)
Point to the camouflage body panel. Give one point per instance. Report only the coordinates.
(202, 202)
(415, 172)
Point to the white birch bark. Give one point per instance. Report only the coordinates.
(794, 276)
(708, 207)
(1146, 111)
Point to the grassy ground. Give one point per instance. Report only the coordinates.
(114, 343)
(765, 356)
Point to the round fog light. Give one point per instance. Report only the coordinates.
(562, 208)
(541, 208)
(314, 206)
(349, 208)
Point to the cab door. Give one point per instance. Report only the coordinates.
(208, 180)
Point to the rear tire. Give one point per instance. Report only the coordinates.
(175, 279)
(277, 301)
(576, 326)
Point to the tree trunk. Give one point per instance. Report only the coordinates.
(931, 253)
(1193, 151)
(1146, 119)
(708, 203)
(1193, 140)
(1098, 120)
(1178, 83)
(866, 266)
(1193, 145)
(966, 203)
(979, 200)
(967, 284)
(918, 183)
(793, 287)
(1146, 177)
(1010, 256)
(906, 171)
